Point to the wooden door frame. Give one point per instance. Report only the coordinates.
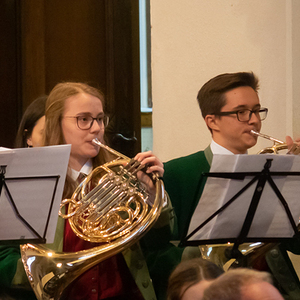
(25, 76)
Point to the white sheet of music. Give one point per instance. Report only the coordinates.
(32, 197)
(270, 219)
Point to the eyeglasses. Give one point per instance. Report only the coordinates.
(244, 115)
(86, 122)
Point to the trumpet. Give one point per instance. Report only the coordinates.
(277, 146)
(252, 251)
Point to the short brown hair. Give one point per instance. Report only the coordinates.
(229, 286)
(211, 97)
(188, 273)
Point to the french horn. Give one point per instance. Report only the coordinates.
(112, 207)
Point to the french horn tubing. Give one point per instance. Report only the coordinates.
(112, 207)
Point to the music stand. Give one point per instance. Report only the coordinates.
(31, 185)
(260, 178)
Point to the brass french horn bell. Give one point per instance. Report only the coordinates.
(112, 207)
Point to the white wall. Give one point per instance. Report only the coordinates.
(195, 40)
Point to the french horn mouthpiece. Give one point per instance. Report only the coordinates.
(97, 142)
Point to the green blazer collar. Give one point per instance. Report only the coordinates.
(208, 154)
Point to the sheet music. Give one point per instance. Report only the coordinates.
(32, 197)
(270, 219)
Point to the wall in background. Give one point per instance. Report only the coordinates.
(193, 41)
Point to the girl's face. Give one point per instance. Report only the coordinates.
(86, 106)
(36, 138)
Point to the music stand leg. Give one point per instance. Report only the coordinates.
(2, 177)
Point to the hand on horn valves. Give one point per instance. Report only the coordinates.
(153, 165)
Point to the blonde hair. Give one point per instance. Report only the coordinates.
(55, 106)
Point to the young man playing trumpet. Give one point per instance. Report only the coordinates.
(230, 106)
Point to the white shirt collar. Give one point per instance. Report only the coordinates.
(218, 149)
(86, 169)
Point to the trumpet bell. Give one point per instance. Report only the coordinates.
(274, 149)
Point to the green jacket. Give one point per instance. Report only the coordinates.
(184, 183)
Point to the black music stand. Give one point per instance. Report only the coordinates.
(39, 238)
(261, 178)
(31, 186)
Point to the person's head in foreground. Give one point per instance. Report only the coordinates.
(242, 284)
(190, 278)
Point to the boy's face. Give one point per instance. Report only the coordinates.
(228, 131)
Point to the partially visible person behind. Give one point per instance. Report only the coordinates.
(30, 134)
(190, 278)
(242, 284)
(13, 280)
(30, 131)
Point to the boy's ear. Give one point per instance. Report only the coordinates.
(211, 123)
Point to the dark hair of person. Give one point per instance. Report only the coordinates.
(188, 273)
(31, 115)
(211, 97)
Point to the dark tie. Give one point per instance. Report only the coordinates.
(80, 177)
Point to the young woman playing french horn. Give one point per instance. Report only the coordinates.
(75, 115)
